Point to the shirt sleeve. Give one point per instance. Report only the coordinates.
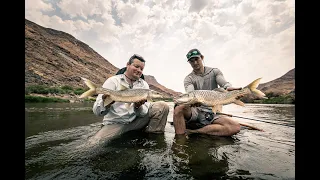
(188, 85)
(99, 108)
(221, 80)
(143, 109)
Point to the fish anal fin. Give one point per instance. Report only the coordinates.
(238, 102)
(216, 108)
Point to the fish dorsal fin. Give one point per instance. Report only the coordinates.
(220, 90)
(238, 102)
(216, 108)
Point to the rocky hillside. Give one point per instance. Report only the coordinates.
(155, 85)
(55, 58)
(280, 86)
(284, 85)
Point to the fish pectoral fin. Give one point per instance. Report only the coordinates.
(216, 108)
(150, 99)
(238, 102)
(127, 105)
(107, 101)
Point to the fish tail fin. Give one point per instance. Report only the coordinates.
(253, 88)
(91, 91)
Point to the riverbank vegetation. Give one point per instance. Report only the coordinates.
(276, 99)
(272, 99)
(42, 93)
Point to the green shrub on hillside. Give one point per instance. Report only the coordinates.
(38, 89)
(42, 89)
(79, 91)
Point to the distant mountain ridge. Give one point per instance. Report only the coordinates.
(56, 58)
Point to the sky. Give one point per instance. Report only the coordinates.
(245, 39)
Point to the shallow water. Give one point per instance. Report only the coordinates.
(56, 134)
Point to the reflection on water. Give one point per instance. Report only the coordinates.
(198, 156)
(56, 135)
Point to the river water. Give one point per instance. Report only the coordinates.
(55, 134)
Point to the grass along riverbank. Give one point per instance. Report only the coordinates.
(63, 94)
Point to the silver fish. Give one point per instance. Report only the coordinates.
(124, 95)
(218, 97)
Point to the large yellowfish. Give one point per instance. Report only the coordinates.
(124, 95)
(218, 97)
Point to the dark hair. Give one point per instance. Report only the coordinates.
(136, 56)
(122, 70)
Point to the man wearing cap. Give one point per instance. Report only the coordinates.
(199, 118)
(119, 118)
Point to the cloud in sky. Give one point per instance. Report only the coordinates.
(246, 39)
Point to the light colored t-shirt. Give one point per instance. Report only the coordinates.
(118, 111)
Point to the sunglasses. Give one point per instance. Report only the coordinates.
(192, 53)
(137, 56)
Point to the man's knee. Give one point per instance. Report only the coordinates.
(178, 110)
(182, 111)
(234, 127)
(161, 106)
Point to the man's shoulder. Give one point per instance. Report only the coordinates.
(189, 75)
(212, 70)
(114, 78)
(118, 76)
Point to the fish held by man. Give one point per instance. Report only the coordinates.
(218, 97)
(124, 95)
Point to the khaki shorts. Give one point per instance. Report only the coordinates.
(200, 117)
(154, 122)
